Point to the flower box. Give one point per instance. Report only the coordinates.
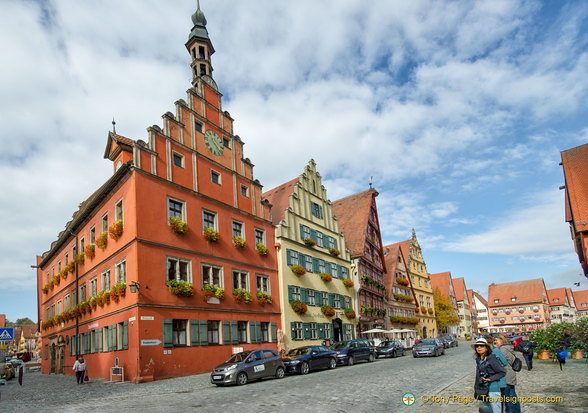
(347, 283)
(507, 312)
(90, 251)
(327, 310)
(430, 310)
(239, 242)
(56, 279)
(264, 298)
(349, 313)
(535, 310)
(326, 277)
(213, 292)
(299, 306)
(309, 242)
(177, 225)
(262, 249)
(116, 230)
(180, 288)
(210, 235)
(119, 290)
(79, 259)
(334, 251)
(502, 321)
(102, 241)
(298, 269)
(242, 296)
(537, 318)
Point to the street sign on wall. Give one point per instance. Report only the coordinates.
(6, 334)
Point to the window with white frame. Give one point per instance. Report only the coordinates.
(347, 302)
(313, 331)
(237, 229)
(259, 236)
(65, 259)
(83, 292)
(208, 219)
(47, 313)
(311, 297)
(178, 269)
(319, 239)
(120, 271)
(325, 297)
(321, 266)
(348, 332)
(296, 293)
(327, 330)
(263, 283)
(66, 304)
(298, 333)
(316, 210)
(176, 208)
(52, 310)
(118, 210)
(334, 270)
(265, 337)
(58, 307)
(178, 159)
(240, 280)
(47, 277)
(331, 241)
(212, 331)
(105, 222)
(308, 263)
(245, 191)
(105, 280)
(93, 235)
(215, 177)
(242, 331)
(93, 286)
(305, 232)
(212, 275)
(293, 257)
(179, 332)
(337, 301)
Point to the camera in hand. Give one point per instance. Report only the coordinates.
(483, 375)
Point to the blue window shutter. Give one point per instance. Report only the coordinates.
(306, 329)
(203, 332)
(304, 295)
(226, 332)
(332, 331)
(301, 232)
(321, 330)
(234, 332)
(313, 235)
(301, 259)
(258, 330)
(328, 267)
(288, 257)
(167, 333)
(320, 211)
(292, 331)
(331, 299)
(290, 292)
(318, 298)
(315, 264)
(194, 339)
(125, 335)
(339, 271)
(109, 337)
(274, 332)
(335, 241)
(100, 340)
(255, 328)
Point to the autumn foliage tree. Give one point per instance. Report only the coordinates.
(444, 310)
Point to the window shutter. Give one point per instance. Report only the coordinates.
(290, 292)
(234, 332)
(321, 331)
(288, 257)
(331, 299)
(306, 329)
(318, 298)
(203, 332)
(292, 331)
(255, 328)
(313, 235)
(226, 332)
(339, 271)
(70, 347)
(167, 333)
(274, 332)
(328, 268)
(321, 211)
(109, 337)
(125, 335)
(194, 339)
(301, 259)
(332, 331)
(100, 339)
(304, 295)
(335, 242)
(315, 264)
(301, 232)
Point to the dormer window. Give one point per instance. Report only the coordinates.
(201, 53)
(513, 299)
(496, 301)
(556, 300)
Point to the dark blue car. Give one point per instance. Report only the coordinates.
(302, 360)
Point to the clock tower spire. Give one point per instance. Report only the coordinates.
(199, 46)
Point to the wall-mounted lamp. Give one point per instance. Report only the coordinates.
(135, 287)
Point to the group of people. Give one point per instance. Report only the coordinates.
(496, 367)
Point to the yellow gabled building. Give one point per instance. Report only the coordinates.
(309, 242)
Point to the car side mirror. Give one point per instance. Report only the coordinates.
(314, 353)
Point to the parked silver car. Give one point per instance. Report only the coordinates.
(248, 365)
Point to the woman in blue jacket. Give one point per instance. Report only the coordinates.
(489, 372)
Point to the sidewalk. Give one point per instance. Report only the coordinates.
(545, 380)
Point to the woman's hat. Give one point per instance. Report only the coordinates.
(481, 342)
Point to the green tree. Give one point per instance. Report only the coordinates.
(444, 310)
(23, 322)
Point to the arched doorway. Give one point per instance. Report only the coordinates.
(52, 359)
(425, 332)
(337, 330)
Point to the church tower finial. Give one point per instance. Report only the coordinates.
(199, 46)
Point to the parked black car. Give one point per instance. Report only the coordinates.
(248, 365)
(302, 360)
(393, 348)
(428, 347)
(444, 341)
(348, 352)
(452, 341)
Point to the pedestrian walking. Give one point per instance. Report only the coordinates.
(80, 368)
(526, 347)
(491, 340)
(489, 372)
(561, 351)
(503, 345)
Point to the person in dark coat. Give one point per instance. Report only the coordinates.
(489, 372)
(526, 347)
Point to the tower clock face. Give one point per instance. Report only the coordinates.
(213, 142)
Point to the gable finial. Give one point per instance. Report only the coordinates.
(371, 179)
(113, 125)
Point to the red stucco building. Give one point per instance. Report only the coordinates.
(182, 224)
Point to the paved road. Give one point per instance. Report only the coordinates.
(365, 387)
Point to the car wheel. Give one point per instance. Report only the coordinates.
(370, 358)
(333, 364)
(443, 352)
(393, 353)
(414, 355)
(242, 378)
(350, 361)
(402, 354)
(280, 373)
(304, 368)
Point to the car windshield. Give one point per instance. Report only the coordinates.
(449, 338)
(426, 341)
(385, 343)
(340, 345)
(301, 351)
(239, 357)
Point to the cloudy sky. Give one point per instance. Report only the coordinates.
(458, 110)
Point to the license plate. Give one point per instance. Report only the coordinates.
(217, 377)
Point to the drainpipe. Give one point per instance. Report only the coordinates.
(77, 349)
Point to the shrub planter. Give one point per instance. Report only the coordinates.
(578, 355)
(543, 355)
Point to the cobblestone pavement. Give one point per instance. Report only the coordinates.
(365, 387)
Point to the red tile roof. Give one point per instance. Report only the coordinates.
(470, 294)
(279, 197)
(481, 299)
(392, 252)
(527, 291)
(575, 166)
(458, 288)
(405, 247)
(581, 297)
(441, 281)
(352, 213)
(122, 139)
(557, 293)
